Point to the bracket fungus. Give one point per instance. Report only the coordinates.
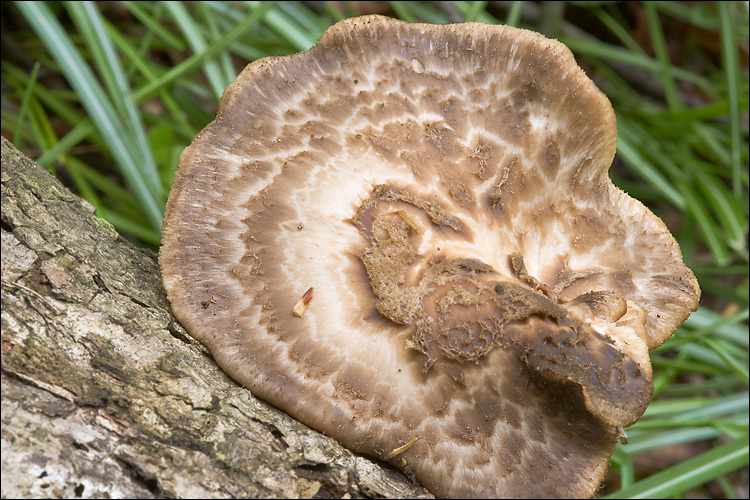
(485, 297)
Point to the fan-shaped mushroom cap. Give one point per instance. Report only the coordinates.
(484, 297)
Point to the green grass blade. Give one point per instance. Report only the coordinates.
(639, 443)
(333, 12)
(51, 99)
(224, 62)
(120, 92)
(463, 7)
(726, 209)
(127, 225)
(301, 14)
(474, 10)
(691, 473)
(25, 105)
(613, 53)
(712, 111)
(687, 366)
(636, 160)
(685, 409)
(103, 59)
(662, 56)
(195, 38)
(401, 9)
(114, 192)
(299, 38)
(730, 57)
(72, 138)
(82, 80)
(177, 113)
(710, 143)
(139, 11)
(427, 13)
(626, 467)
(697, 14)
(194, 62)
(40, 121)
(663, 377)
(618, 30)
(721, 383)
(715, 242)
(84, 187)
(514, 13)
(737, 365)
(647, 424)
(697, 352)
(727, 327)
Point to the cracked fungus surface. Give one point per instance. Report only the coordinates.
(484, 297)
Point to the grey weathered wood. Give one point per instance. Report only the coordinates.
(104, 394)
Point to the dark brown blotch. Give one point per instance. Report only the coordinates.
(512, 123)
(617, 390)
(551, 157)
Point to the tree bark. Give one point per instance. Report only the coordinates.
(105, 394)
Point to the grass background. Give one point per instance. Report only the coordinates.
(106, 96)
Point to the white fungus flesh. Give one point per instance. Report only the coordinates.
(484, 297)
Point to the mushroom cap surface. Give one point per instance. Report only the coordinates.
(484, 296)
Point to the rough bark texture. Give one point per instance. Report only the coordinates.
(105, 394)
